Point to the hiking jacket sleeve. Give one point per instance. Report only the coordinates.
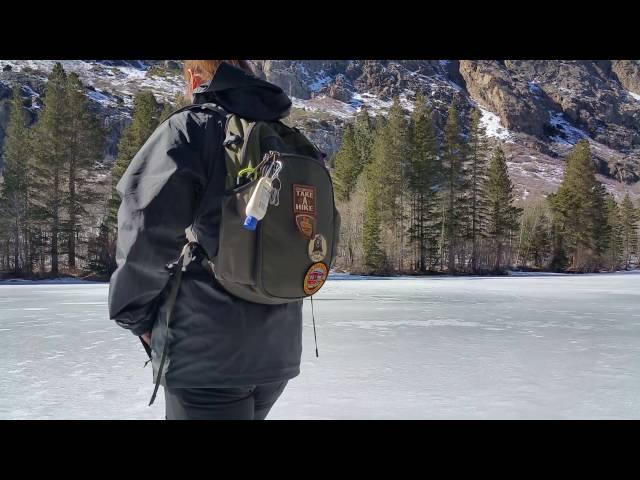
(159, 192)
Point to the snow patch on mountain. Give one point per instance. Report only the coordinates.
(634, 95)
(320, 81)
(325, 104)
(121, 78)
(568, 134)
(106, 100)
(491, 122)
(537, 169)
(374, 104)
(534, 88)
(29, 91)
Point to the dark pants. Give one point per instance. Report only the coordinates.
(241, 403)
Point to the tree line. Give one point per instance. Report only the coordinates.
(416, 201)
(413, 199)
(52, 219)
(44, 194)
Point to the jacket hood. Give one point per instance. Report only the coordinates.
(243, 94)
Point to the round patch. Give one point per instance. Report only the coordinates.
(317, 248)
(315, 277)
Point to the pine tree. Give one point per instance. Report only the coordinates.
(14, 193)
(452, 187)
(502, 214)
(353, 156)
(388, 155)
(145, 119)
(422, 179)
(541, 241)
(374, 256)
(99, 248)
(177, 102)
(5, 234)
(628, 230)
(167, 109)
(614, 248)
(347, 165)
(394, 175)
(85, 145)
(601, 227)
(559, 257)
(578, 208)
(535, 235)
(477, 158)
(50, 149)
(363, 132)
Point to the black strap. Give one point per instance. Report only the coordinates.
(313, 317)
(233, 140)
(216, 178)
(147, 349)
(173, 295)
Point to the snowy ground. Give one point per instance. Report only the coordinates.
(549, 346)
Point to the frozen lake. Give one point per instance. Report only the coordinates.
(527, 347)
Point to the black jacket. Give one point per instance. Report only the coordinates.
(215, 339)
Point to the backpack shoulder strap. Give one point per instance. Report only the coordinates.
(217, 176)
(230, 139)
(212, 107)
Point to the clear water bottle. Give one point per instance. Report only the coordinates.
(258, 203)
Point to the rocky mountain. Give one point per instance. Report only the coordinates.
(536, 109)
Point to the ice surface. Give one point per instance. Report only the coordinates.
(525, 346)
(53, 281)
(635, 95)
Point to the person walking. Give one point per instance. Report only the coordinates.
(227, 358)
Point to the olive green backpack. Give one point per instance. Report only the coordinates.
(288, 255)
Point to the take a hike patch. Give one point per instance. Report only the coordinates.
(304, 200)
(306, 224)
(304, 209)
(315, 278)
(317, 248)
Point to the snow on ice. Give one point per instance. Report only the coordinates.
(526, 346)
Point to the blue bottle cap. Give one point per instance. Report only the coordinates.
(250, 223)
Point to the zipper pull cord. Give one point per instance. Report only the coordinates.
(313, 319)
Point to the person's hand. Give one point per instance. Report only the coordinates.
(146, 337)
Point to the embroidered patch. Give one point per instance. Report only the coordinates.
(315, 278)
(304, 200)
(317, 248)
(305, 224)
